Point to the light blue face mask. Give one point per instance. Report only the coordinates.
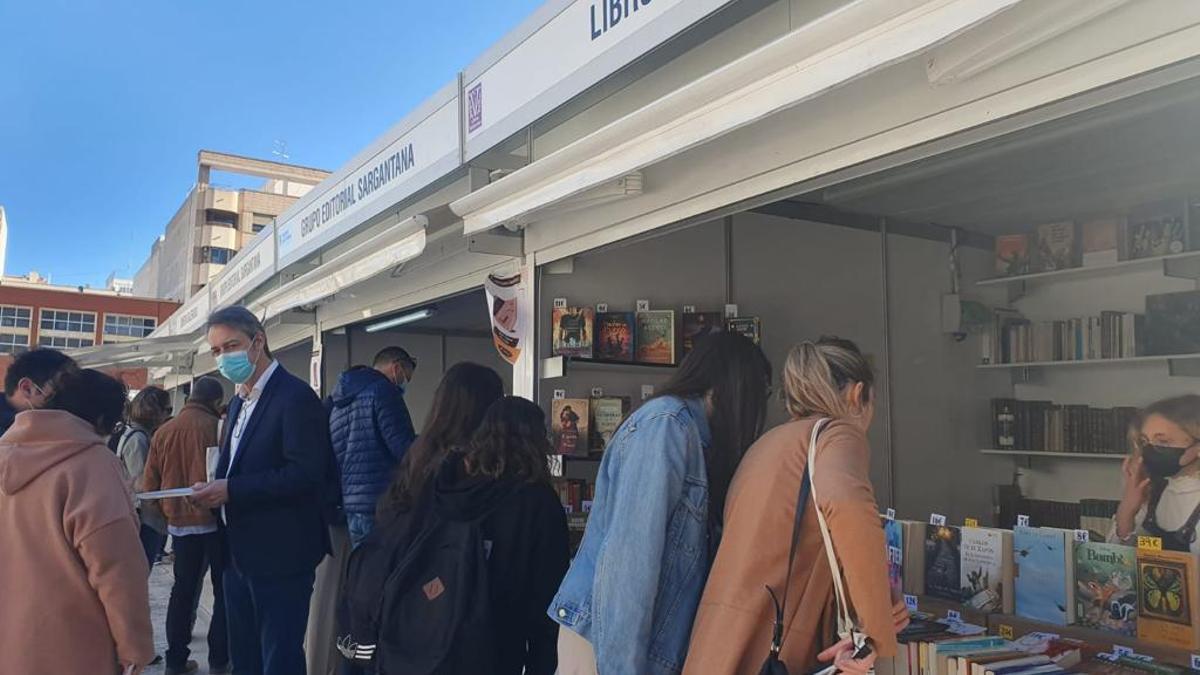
(235, 366)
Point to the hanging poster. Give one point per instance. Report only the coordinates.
(510, 321)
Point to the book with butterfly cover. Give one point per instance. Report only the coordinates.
(1167, 599)
(1044, 574)
(1106, 587)
(943, 562)
(986, 569)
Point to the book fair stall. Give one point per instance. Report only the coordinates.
(998, 201)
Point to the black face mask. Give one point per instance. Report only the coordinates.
(1162, 461)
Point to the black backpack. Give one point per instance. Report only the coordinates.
(419, 604)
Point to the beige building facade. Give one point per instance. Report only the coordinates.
(213, 223)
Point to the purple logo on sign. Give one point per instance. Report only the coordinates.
(475, 108)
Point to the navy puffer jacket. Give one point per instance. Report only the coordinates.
(371, 431)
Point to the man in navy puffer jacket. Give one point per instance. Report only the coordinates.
(371, 430)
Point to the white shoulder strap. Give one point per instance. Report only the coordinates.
(845, 626)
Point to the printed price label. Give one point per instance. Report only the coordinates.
(568, 509)
(910, 602)
(587, 507)
(689, 309)
(560, 394)
(1022, 521)
(895, 555)
(1006, 631)
(601, 307)
(891, 514)
(1120, 651)
(647, 391)
(1195, 661)
(971, 522)
(937, 519)
(1149, 544)
(1082, 536)
(560, 303)
(953, 616)
(731, 311)
(643, 305)
(597, 392)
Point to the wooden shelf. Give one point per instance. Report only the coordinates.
(1064, 455)
(1185, 265)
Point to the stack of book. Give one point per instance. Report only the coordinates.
(1043, 426)
(1014, 339)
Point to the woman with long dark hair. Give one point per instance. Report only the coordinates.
(501, 480)
(461, 399)
(627, 603)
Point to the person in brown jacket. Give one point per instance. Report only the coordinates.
(732, 633)
(179, 458)
(72, 571)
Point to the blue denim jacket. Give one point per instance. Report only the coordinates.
(633, 588)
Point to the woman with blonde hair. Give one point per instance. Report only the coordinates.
(1162, 476)
(829, 382)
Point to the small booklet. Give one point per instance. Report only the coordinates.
(166, 494)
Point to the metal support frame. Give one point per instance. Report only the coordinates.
(889, 431)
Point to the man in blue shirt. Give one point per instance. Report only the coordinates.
(371, 431)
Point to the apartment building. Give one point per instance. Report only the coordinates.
(214, 222)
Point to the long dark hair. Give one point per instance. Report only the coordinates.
(461, 399)
(736, 375)
(511, 443)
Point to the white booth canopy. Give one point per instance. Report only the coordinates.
(799, 66)
(176, 350)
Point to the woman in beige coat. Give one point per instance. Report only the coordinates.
(732, 633)
(72, 572)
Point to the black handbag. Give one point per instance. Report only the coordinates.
(773, 665)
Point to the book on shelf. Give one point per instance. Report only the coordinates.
(607, 414)
(1057, 247)
(1167, 598)
(893, 535)
(1013, 339)
(1012, 255)
(986, 569)
(571, 329)
(1044, 577)
(573, 492)
(1044, 426)
(1106, 587)
(913, 539)
(1101, 240)
(697, 325)
(1158, 229)
(1173, 323)
(943, 562)
(569, 426)
(614, 336)
(655, 338)
(748, 326)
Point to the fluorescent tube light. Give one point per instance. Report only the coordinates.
(403, 319)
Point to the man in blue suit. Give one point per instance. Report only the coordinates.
(269, 480)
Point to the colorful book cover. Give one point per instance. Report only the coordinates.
(943, 562)
(1057, 247)
(572, 331)
(614, 336)
(569, 425)
(985, 571)
(1101, 241)
(893, 532)
(656, 336)
(749, 326)
(1043, 574)
(1167, 599)
(1106, 587)
(607, 415)
(1012, 254)
(699, 324)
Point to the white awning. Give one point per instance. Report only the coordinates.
(151, 352)
(380, 253)
(844, 45)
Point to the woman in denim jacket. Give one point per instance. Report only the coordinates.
(626, 605)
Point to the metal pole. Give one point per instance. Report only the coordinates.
(728, 260)
(889, 433)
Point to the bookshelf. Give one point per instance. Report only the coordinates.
(1182, 265)
(1180, 365)
(1064, 455)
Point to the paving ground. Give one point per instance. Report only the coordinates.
(161, 581)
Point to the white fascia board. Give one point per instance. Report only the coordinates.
(849, 43)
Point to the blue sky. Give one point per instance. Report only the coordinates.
(103, 104)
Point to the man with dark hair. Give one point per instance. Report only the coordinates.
(179, 458)
(268, 487)
(371, 430)
(27, 383)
